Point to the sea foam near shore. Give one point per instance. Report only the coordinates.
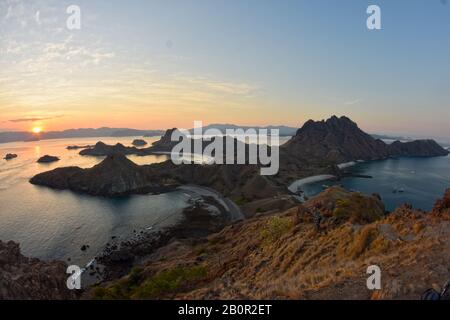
(294, 187)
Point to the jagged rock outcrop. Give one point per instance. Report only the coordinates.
(443, 204)
(339, 140)
(165, 144)
(417, 148)
(10, 156)
(335, 140)
(23, 278)
(317, 144)
(47, 159)
(117, 176)
(139, 143)
(75, 147)
(102, 149)
(114, 176)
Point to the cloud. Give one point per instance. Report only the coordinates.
(220, 86)
(352, 102)
(38, 17)
(33, 119)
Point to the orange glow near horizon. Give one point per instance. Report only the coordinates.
(37, 130)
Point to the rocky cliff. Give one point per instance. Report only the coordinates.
(118, 176)
(335, 140)
(23, 278)
(102, 149)
(339, 140)
(417, 148)
(114, 176)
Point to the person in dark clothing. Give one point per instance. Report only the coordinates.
(317, 217)
(432, 294)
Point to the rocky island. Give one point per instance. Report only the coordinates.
(10, 156)
(75, 147)
(102, 149)
(340, 140)
(417, 148)
(114, 176)
(27, 278)
(139, 143)
(47, 159)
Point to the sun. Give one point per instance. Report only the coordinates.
(37, 130)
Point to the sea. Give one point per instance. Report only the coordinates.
(416, 181)
(54, 225)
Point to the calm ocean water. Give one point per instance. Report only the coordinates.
(423, 181)
(51, 224)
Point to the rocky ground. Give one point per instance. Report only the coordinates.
(26, 278)
(284, 255)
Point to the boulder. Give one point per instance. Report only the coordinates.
(47, 159)
(10, 156)
(139, 143)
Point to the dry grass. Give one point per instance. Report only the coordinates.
(270, 257)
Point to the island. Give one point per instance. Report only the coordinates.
(75, 147)
(139, 143)
(47, 159)
(10, 156)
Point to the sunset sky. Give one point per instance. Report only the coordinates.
(159, 64)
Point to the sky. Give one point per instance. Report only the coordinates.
(155, 64)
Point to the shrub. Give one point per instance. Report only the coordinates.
(169, 282)
(165, 282)
(275, 228)
(358, 209)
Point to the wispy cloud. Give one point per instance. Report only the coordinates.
(48, 69)
(352, 102)
(34, 119)
(233, 88)
(38, 17)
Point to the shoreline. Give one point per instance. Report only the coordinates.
(294, 187)
(207, 213)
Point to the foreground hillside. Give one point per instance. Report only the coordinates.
(289, 255)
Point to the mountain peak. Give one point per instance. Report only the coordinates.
(334, 120)
(340, 140)
(116, 161)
